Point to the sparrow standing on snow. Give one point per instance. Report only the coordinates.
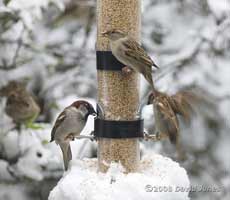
(130, 53)
(69, 125)
(20, 105)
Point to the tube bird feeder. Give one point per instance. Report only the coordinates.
(118, 93)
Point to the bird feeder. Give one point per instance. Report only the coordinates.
(117, 127)
(119, 130)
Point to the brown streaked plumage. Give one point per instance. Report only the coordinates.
(166, 120)
(20, 104)
(130, 53)
(166, 109)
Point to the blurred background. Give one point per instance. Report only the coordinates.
(49, 45)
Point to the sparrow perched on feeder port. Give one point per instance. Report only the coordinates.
(69, 125)
(130, 53)
(20, 104)
(167, 124)
(166, 109)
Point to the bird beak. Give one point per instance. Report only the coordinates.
(100, 111)
(92, 112)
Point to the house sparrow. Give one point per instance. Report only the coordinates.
(130, 53)
(165, 118)
(166, 121)
(20, 105)
(69, 125)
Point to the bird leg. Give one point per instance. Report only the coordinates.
(126, 70)
(161, 136)
(148, 136)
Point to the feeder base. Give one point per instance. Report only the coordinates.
(159, 178)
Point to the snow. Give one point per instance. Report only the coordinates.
(12, 191)
(32, 10)
(220, 7)
(83, 181)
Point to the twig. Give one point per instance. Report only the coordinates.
(18, 48)
(181, 61)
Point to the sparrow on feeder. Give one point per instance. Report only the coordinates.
(69, 125)
(167, 124)
(130, 53)
(20, 104)
(166, 121)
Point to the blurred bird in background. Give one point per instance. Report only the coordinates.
(20, 104)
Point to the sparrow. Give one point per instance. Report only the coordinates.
(20, 104)
(69, 125)
(166, 121)
(130, 53)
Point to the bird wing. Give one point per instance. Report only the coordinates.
(61, 117)
(181, 103)
(134, 50)
(169, 119)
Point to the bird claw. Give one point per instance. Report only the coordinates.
(154, 137)
(147, 136)
(126, 70)
(70, 137)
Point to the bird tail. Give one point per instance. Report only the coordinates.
(173, 138)
(67, 154)
(149, 78)
(181, 154)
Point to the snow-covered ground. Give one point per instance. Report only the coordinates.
(159, 178)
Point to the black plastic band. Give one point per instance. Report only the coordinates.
(107, 61)
(118, 129)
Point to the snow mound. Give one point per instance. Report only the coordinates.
(160, 178)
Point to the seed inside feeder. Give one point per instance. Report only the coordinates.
(118, 94)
